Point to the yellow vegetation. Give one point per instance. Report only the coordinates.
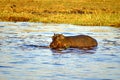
(79, 12)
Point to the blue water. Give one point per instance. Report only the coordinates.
(25, 55)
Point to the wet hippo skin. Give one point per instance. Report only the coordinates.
(59, 41)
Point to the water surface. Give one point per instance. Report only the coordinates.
(24, 58)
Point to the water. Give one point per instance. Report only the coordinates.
(24, 54)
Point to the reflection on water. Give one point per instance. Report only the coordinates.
(25, 54)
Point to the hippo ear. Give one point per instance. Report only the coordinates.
(54, 34)
(62, 36)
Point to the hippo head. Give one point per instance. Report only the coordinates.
(57, 41)
(58, 37)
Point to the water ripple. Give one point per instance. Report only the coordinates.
(6, 67)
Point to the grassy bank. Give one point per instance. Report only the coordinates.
(79, 12)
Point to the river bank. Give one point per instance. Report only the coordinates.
(78, 12)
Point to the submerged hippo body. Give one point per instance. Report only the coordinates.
(80, 41)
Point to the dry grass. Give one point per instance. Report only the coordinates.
(79, 12)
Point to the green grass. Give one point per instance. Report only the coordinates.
(78, 12)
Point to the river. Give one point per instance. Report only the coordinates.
(22, 56)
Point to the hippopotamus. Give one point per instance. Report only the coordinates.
(59, 41)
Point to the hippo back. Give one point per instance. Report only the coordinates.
(80, 41)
